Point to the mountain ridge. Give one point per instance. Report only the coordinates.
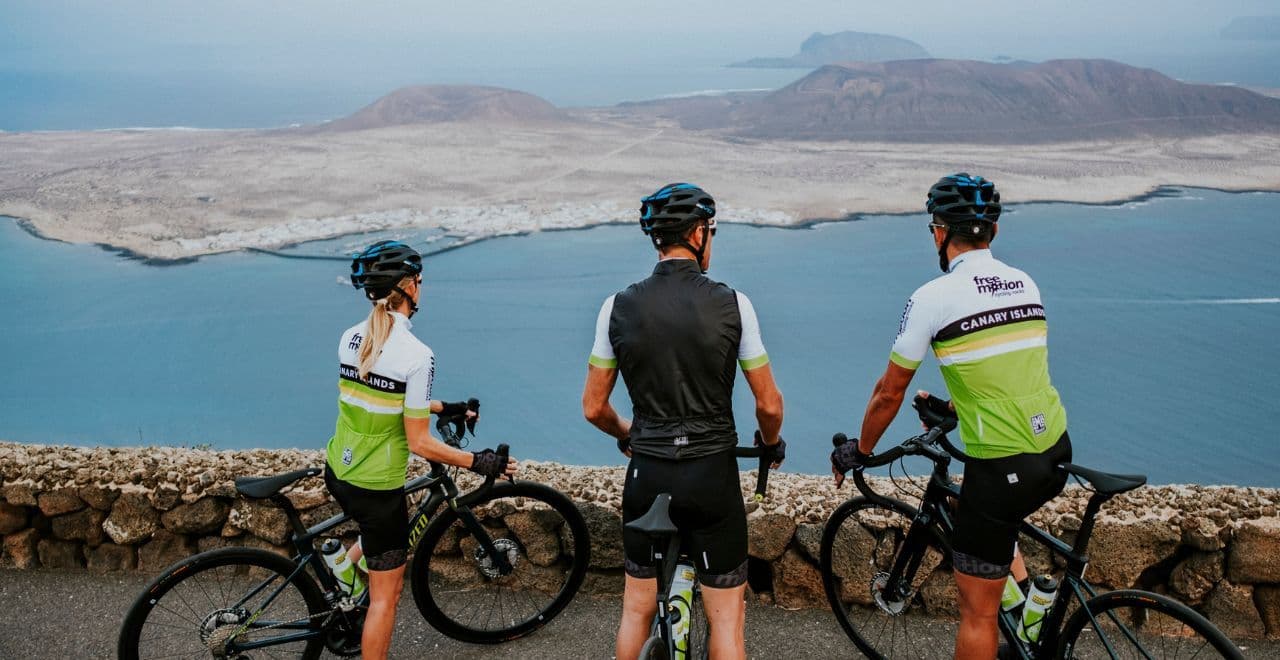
(418, 104)
(968, 100)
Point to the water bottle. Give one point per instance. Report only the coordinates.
(1043, 590)
(679, 604)
(335, 557)
(1012, 596)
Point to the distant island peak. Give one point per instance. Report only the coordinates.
(848, 46)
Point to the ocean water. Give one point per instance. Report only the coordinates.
(1163, 315)
(39, 100)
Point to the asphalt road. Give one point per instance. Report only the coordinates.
(76, 614)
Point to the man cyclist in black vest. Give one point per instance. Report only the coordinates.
(675, 337)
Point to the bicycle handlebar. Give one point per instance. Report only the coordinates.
(460, 423)
(924, 444)
(762, 474)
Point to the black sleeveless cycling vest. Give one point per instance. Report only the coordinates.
(676, 337)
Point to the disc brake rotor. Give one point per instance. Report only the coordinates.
(486, 564)
(893, 605)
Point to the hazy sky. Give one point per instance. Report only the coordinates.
(228, 63)
(292, 34)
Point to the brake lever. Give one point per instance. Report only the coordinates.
(473, 405)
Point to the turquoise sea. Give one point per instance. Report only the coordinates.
(1163, 315)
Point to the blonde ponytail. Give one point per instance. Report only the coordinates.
(380, 324)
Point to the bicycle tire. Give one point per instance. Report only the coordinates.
(654, 649)
(852, 576)
(462, 565)
(1131, 616)
(183, 580)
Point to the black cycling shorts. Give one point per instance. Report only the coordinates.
(997, 494)
(706, 505)
(383, 518)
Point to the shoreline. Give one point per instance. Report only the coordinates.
(1160, 191)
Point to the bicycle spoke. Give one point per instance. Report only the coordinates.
(180, 616)
(1147, 627)
(186, 620)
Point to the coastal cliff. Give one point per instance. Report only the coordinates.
(140, 509)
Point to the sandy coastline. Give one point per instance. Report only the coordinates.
(172, 195)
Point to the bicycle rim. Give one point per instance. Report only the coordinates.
(212, 602)
(1139, 624)
(459, 590)
(912, 619)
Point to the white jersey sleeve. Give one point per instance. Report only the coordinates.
(915, 331)
(751, 353)
(417, 388)
(602, 350)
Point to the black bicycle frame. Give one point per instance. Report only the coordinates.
(443, 490)
(935, 512)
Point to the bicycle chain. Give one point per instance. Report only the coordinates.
(329, 612)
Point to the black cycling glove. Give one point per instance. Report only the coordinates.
(624, 444)
(847, 457)
(453, 409)
(777, 452)
(488, 463)
(933, 411)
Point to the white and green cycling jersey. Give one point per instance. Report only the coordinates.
(369, 448)
(986, 325)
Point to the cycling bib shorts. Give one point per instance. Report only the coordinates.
(706, 506)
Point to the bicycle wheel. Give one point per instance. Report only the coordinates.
(460, 591)
(1140, 624)
(212, 604)
(860, 544)
(654, 649)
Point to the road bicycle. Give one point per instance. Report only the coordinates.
(877, 552)
(680, 629)
(488, 566)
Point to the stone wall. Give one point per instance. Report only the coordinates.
(140, 509)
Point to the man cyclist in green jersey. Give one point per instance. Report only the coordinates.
(986, 326)
(677, 338)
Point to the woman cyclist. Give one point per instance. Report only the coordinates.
(384, 406)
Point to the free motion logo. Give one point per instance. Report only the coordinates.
(998, 286)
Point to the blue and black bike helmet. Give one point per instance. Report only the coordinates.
(960, 198)
(968, 205)
(379, 268)
(668, 214)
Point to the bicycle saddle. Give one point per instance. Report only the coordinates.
(263, 487)
(656, 521)
(1104, 482)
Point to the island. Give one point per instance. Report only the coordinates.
(820, 49)
(481, 162)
